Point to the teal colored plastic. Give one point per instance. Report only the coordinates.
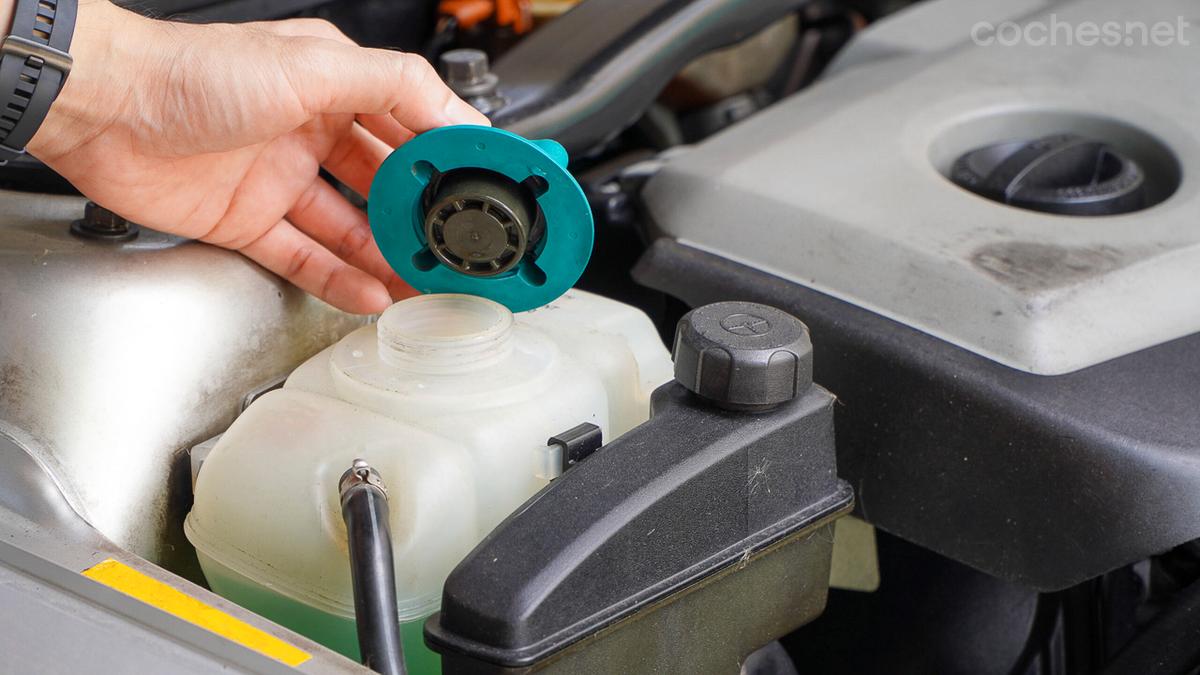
(397, 219)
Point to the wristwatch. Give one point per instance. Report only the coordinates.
(34, 64)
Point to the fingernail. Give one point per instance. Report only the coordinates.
(459, 111)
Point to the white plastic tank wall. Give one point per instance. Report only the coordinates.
(452, 399)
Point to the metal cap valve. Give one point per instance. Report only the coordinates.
(482, 211)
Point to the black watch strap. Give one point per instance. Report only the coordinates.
(34, 64)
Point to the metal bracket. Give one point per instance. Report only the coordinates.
(361, 473)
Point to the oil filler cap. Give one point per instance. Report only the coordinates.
(743, 355)
(1064, 174)
(482, 211)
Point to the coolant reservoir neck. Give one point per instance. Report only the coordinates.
(445, 333)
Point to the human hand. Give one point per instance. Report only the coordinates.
(217, 132)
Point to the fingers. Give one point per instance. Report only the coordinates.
(383, 126)
(328, 76)
(397, 107)
(304, 27)
(324, 244)
(386, 129)
(294, 256)
(356, 157)
(325, 215)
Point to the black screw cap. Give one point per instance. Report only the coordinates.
(1064, 174)
(743, 355)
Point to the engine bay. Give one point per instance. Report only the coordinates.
(755, 336)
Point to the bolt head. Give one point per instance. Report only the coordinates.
(468, 73)
(102, 220)
(100, 224)
(466, 66)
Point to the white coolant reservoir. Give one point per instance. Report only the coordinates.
(452, 399)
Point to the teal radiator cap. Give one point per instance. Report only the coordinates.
(504, 219)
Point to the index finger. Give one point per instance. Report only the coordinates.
(330, 76)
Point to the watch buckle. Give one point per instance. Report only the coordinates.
(16, 45)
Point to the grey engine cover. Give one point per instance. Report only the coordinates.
(843, 188)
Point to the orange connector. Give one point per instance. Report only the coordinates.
(514, 14)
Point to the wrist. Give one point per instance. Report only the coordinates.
(7, 7)
(99, 80)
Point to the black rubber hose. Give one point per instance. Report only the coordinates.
(1169, 645)
(622, 55)
(365, 510)
(1041, 632)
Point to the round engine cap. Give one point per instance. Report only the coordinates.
(743, 355)
(1063, 174)
(478, 246)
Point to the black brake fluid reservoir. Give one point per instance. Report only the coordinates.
(680, 546)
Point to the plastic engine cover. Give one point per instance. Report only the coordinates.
(844, 188)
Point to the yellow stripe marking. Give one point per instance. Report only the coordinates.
(155, 593)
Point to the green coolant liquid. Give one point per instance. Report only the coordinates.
(335, 632)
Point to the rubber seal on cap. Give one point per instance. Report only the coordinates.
(397, 217)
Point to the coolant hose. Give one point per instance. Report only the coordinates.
(365, 510)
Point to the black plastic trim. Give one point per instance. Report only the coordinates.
(621, 56)
(1041, 480)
